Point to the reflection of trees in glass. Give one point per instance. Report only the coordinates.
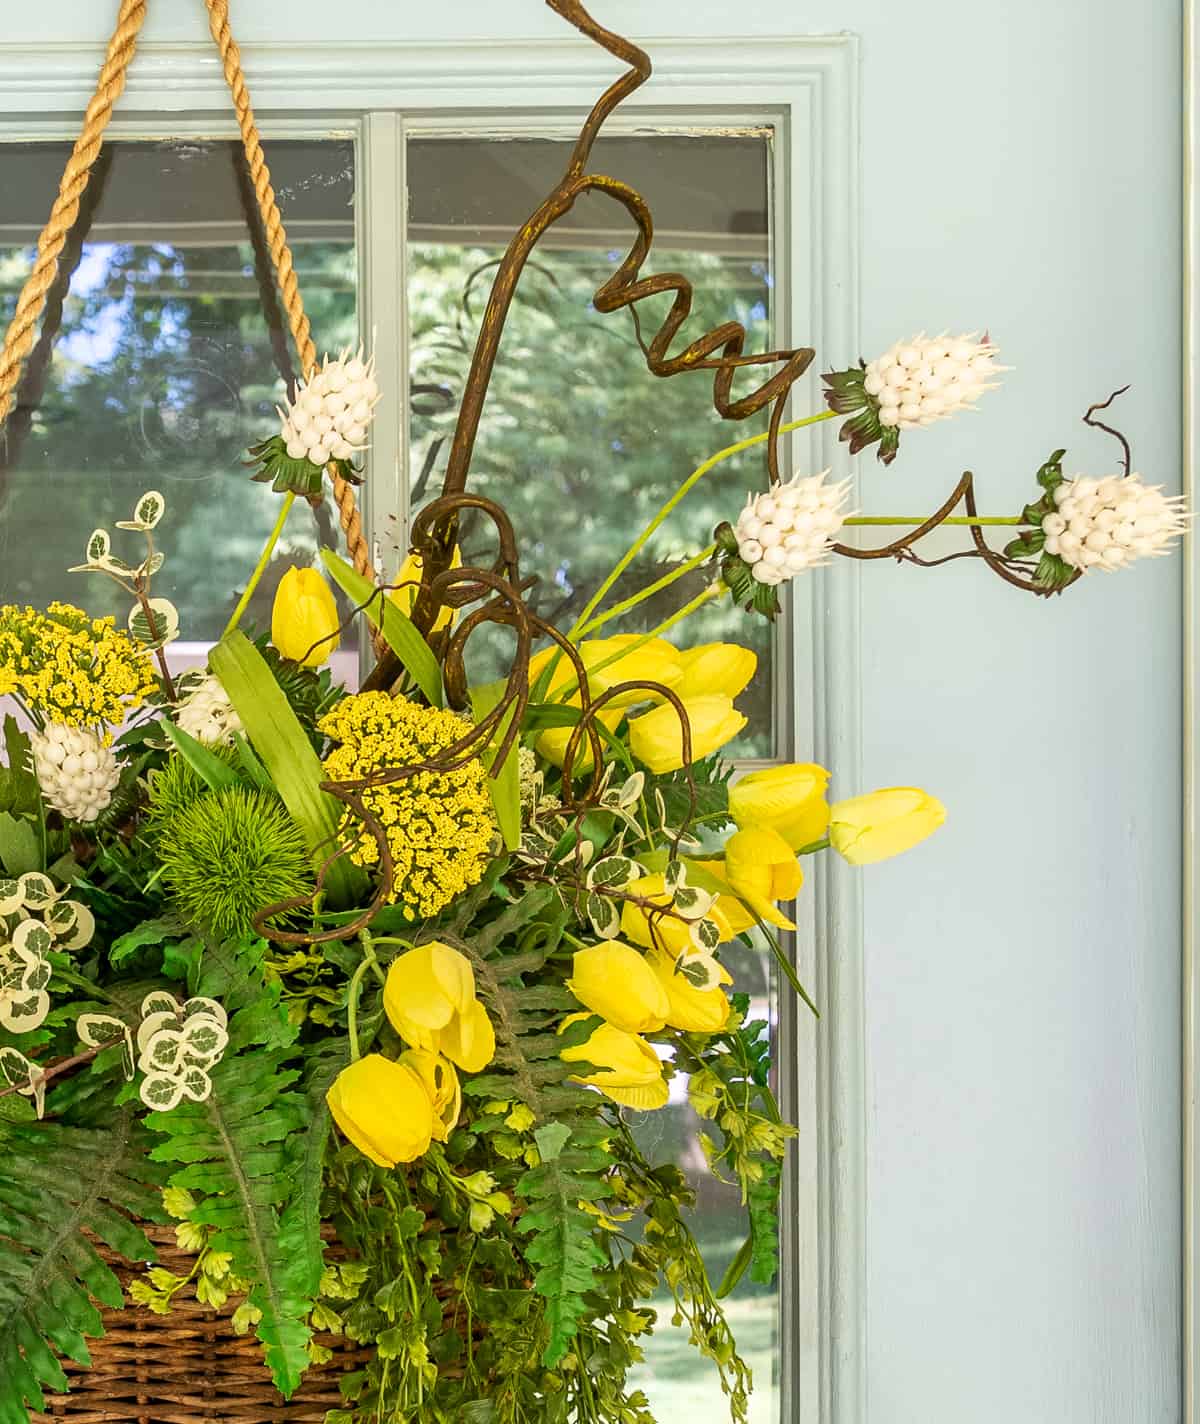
(578, 441)
(163, 374)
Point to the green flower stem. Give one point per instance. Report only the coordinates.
(976, 519)
(650, 590)
(694, 478)
(355, 988)
(263, 560)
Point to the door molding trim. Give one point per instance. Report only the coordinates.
(810, 86)
(1190, 991)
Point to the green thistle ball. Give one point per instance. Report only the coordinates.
(227, 855)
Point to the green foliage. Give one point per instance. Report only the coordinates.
(239, 1152)
(229, 854)
(19, 793)
(56, 1183)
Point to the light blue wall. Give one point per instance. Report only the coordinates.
(1021, 171)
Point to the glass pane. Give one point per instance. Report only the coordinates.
(582, 446)
(579, 442)
(162, 358)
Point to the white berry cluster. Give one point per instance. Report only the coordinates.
(1106, 523)
(790, 528)
(329, 416)
(207, 714)
(76, 770)
(922, 380)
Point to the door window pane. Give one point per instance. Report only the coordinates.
(582, 445)
(162, 357)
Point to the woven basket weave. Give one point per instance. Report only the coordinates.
(189, 1367)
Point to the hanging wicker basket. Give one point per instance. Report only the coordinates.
(189, 1367)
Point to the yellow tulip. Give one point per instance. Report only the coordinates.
(631, 1072)
(552, 744)
(691, 1009)
(761, 868)
(408, 582)
(430, 999)
(442, 1085)
(654, 660)
(384, 1109)
(728, 909)
(716, 667)
(614, 980)
(883, 823)
(667, 932)
(304, 618)
(656, 738)
(789, 799)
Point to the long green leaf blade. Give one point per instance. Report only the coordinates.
(504, 781)
(209, 768)
(402, 637)
(278, 738)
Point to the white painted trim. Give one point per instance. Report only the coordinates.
(1190, 995)
(808, 86)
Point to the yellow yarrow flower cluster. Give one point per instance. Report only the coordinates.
(439, 823)
(72, 669)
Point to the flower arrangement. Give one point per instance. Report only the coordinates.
(289, 962)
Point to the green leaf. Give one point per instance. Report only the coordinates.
(20, 851)
(19, 791)
(415, 654)
(58, 1185)
(209, 768)
(504, 782)
(736, 1268)
(551, 1139)
(279, 739)
(241, 1152)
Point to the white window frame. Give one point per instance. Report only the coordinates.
(806, 88)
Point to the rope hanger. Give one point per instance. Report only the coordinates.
(21, 334)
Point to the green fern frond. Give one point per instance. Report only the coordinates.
(56, 1183)
(239, 1151)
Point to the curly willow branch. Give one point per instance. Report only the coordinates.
(720, 350)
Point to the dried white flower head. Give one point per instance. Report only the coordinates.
(329, 416)
(208, 715)
(914, 383)
(791, 527)
(1107, 523)
(75, 769)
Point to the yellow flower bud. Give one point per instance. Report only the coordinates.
(789, 799)
(430, 999)
(691, 1009)
(442, 1085)
(303, 615)
(408, 582)
(653, 661)
(669, 932)
(552, 744)
(383, 1108)
(883, 823)
(716, 667)
(631, 1072)
(761, 868)
(656, 737)
(614, 980)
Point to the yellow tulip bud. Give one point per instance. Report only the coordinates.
(614, 980)
(656, 738)
(716, 667)
(430, 999)
(640, 924)
(304, 618)
(384, 1109)
(883, 823)
(442, 1085)
(631, 1072)
(408, 582)
(761, 868)
(552, 744)
(691, 1009)
(789, 799)
(654, 660)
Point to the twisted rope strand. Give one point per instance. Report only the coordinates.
(19, 338)
(281, 258)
